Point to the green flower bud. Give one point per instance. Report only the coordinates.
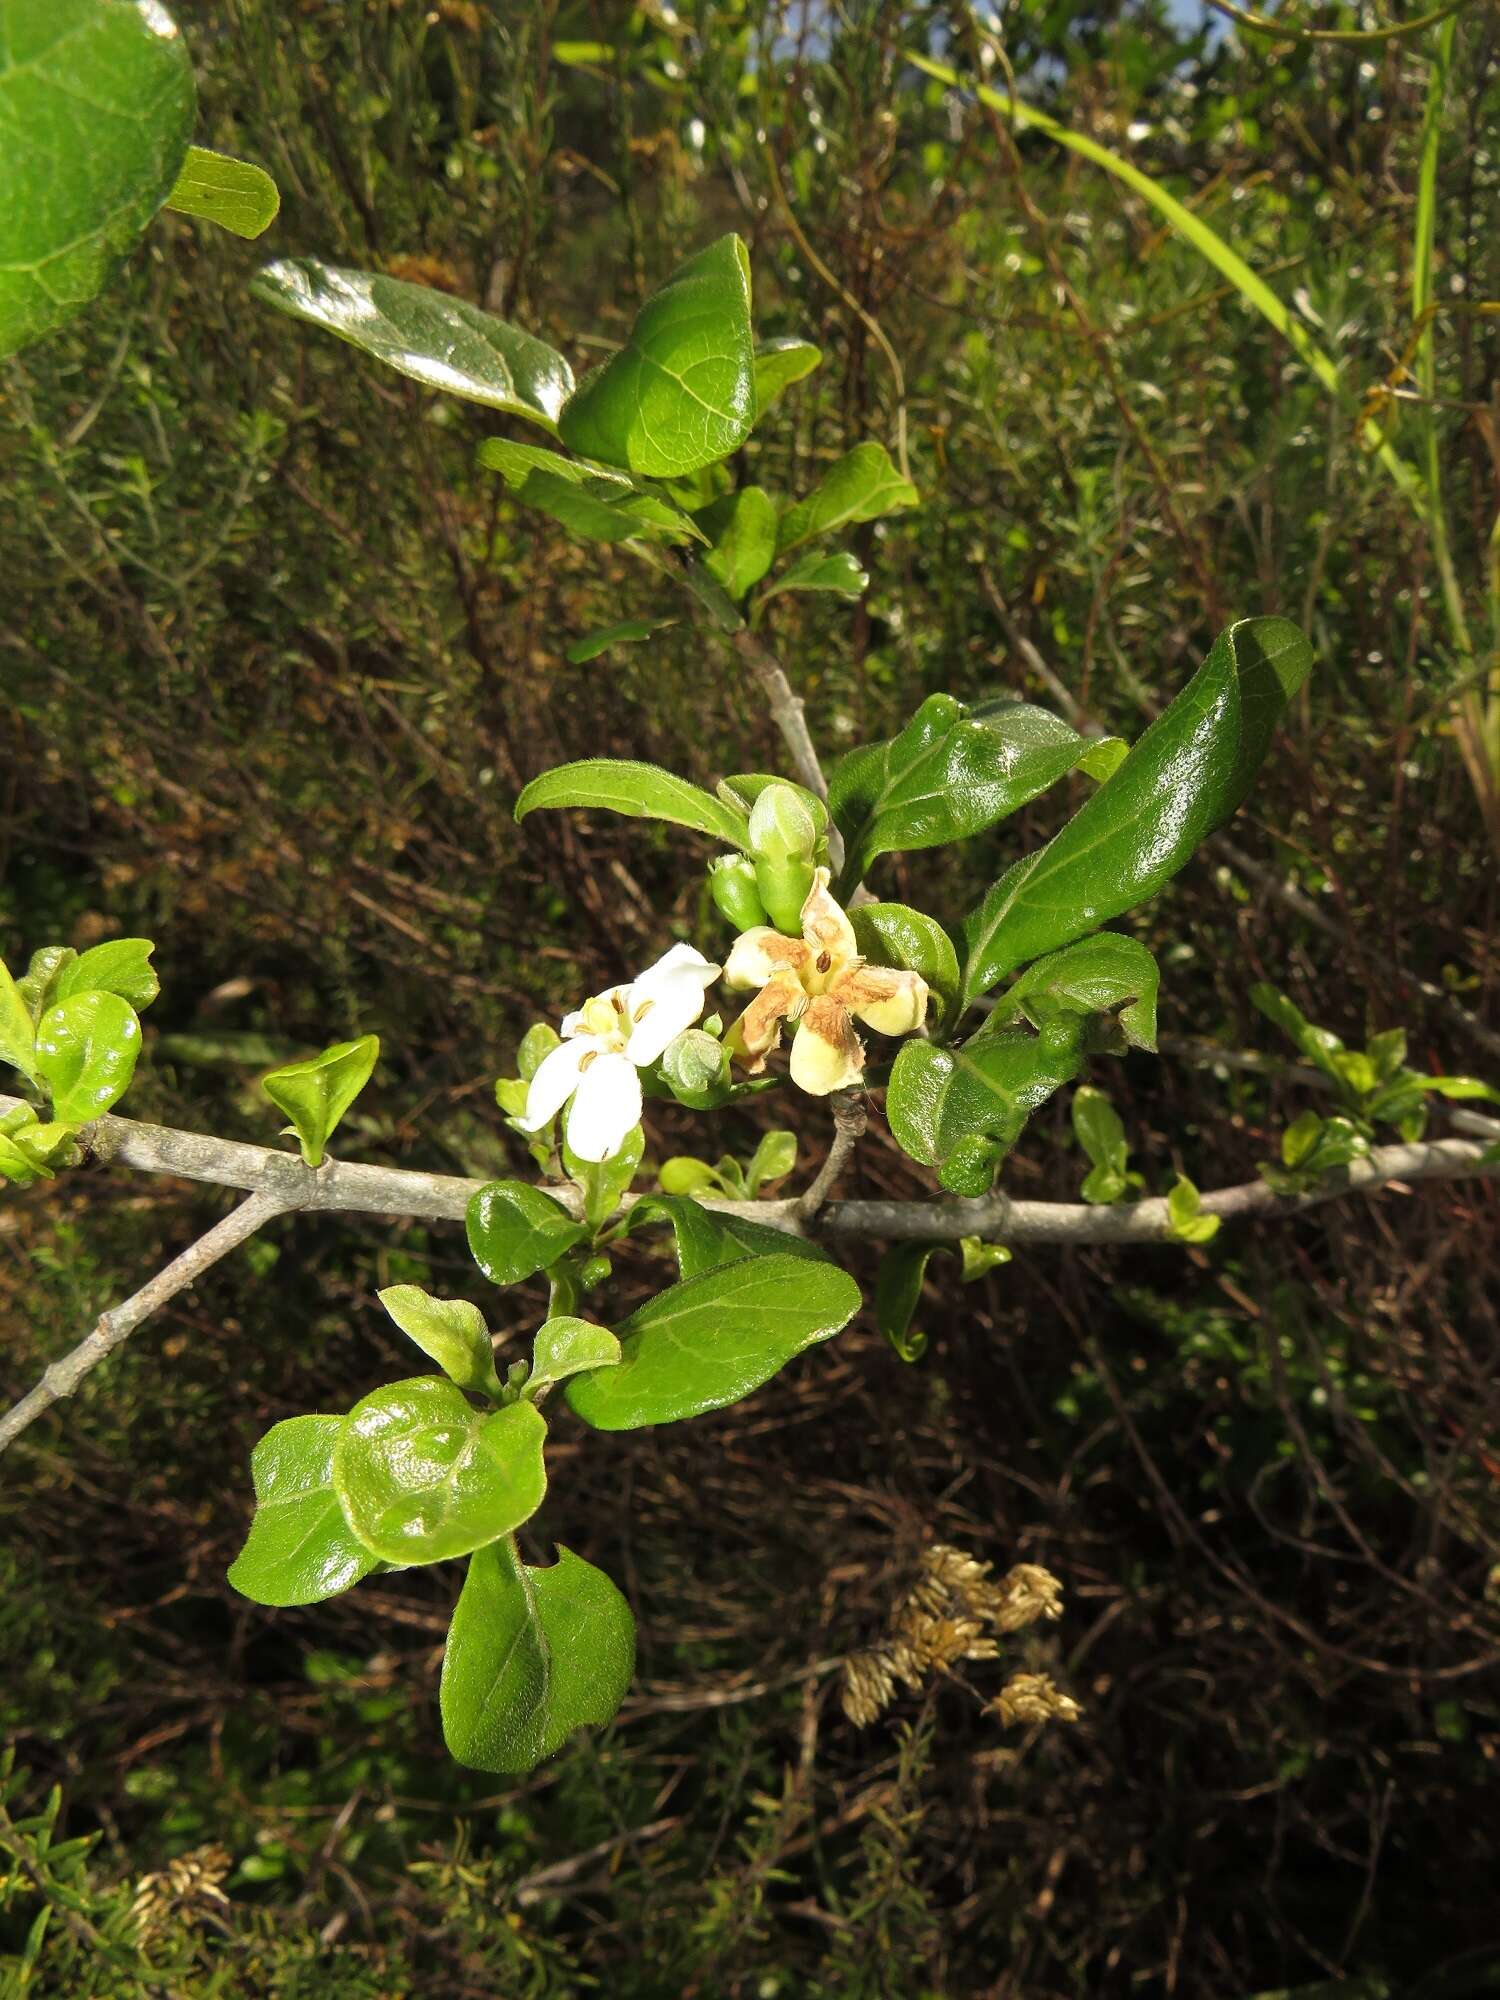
(781, 827)
(784, 887)
(694, 1063)
(731, 883)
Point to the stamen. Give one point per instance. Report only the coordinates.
(584, 1061)
(642, 1011)
(825, 959)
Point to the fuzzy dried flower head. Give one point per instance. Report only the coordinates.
(186, 1889)
(868, 1686)
(1025, 1594)
(1034, 1698)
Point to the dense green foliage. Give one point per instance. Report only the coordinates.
(296, 769)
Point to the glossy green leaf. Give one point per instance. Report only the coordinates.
(516, 1230)
(38, 986)
(443, 342)
(236, 194)
(1184, 1206)
(629, 632)
(538, 1042)
(422, 1474)
(567, 1346)
(31, 1149)
(910, 941)
(1181, 780)
(898, 1292)
(960, 1110)
(773, 1159)
(707, 1239)
(589, 500)
(532, 1655)
(17, 1029)
(862, 486)
(643, 791)
(300, 1548)
(1106, 974)
(86, 1051)
(96, 105)
(816, 570)
(951, 773)
(1321, 1046)
(742, 530)
(120, 965)
(681, 392)
(980, 1258)
(1097, 1128)
(1459, 1089)
(778, 364)
(711, 1340)
(315, 1094)
(451, 1332)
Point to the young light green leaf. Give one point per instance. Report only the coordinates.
(951, 773)
(567, 1346)
(38, 986)
(1184, 1205)
(589, 500)
(441, 341)
(910, 941)
(1097, 1128)
(31, 1150)
(451, 1331)
(86, 1050)
(236, 194)
(603, 1183)
(629, 632)
(1321, 1046)
(532, 1655)
(423, 1475)
(1184, 778)
(773, 1159)
(96, 104)
(742, 530)
(862, 486)
(682, 1175)
(960, 1110)
(299, 1549)
(898, 1292)
(515, 1231)
(316, 1093)
(120, 965)
(980, 1258)
(17, 1029)
(778, 364)
(643, 791)
(681, 392)
(538, 1042)
(815, 570)
(1106, 974)
(711, 1340)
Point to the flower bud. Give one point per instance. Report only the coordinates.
(781, 827)
(693, 1064)
(784, 886)
(731, 883)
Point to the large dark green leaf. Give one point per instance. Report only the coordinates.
(951, 773)
(710, 1340)
(681, 392)
(96, 105)
(300, 1548)
(960, 1110)
(644, 791)
(589, 500)
(532, 1655)
(445, 342)
(861, 486)
(1183, 778)
(1106, 974)
(515, 1230)
(422, 1474)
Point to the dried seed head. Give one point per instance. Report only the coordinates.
(1034, 1698)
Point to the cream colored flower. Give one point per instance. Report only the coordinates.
(821, 984)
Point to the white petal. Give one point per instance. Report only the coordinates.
(758, 955)
(673, 1002)
(606, 1107)
(680, 957)
(555, 1081)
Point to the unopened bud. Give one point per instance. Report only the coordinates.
(781, 827)
(731, 883)
(784, 886)
(693, 1063)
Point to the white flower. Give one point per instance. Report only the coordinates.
(606, 1042)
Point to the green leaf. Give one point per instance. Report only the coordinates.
(683, 1175)
(629, 632)
(441, 341)
(707, 1239)
(29, 1149)
(589, 500)
(742, 529)
(567, 1346)
(96, 105)
(451, 1332)
(1321, 1046)
(423, 1475)
(898, 1292)
(711, 1340)
(538, 1042)
(1097, 1128)
(951, 773)
(38, 986)
(643, 791)
(1184, 1204)
(908, 940)
(86, 1050)
(773, 1159)
(778, 364)
(980, 1258)
(532, 1655)
(960, 1110)
(315, 1094)
(862, 486)
(1107, 974)
(299, 1549)
(121, 965)
(17, 1030)
(515, 1231)
(1181, 780)
(1462, 1089)
(681, 392)
(815, 570)
(603, 1183)
(237, 195)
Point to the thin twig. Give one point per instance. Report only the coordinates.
(63, 1377)
(851, 1114)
